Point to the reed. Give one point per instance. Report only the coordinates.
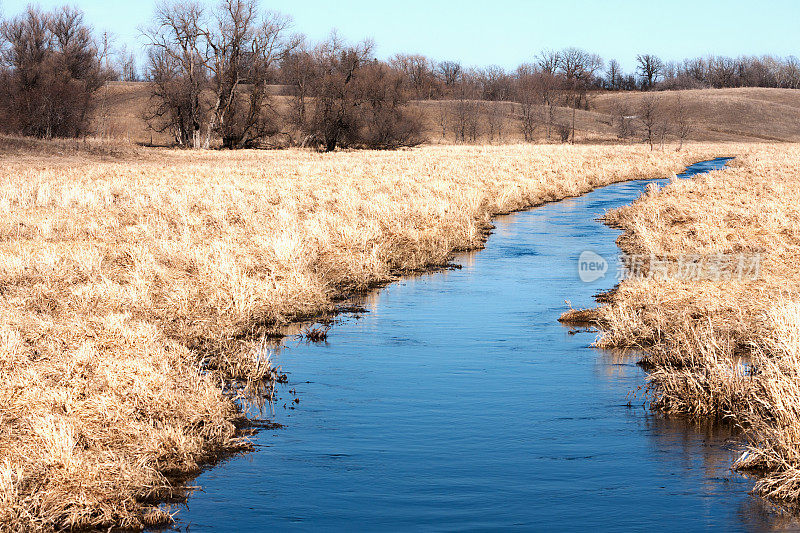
(722, 348)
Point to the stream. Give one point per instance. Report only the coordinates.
(458, 402)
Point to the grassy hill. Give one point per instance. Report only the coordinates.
(747, 114)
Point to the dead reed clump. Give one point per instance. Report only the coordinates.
(316, 334)
(580, 317)
(134, 292)
(726, 347)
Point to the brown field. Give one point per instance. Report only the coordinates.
(746, 114)
(728, 348)
(137, 283)
(738, 115)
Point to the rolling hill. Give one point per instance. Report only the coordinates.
(745, 114)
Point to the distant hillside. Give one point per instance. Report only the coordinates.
(745, 114)
(748, 114)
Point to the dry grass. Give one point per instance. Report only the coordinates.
(745, 114)
(727, 348)
(133, 290)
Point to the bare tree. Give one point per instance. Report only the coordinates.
(232, 54)
(297, 71)
(613, 75)
(789, 73)
(663, 128)
(683, 121)
(531, 100)
(721, 72)
(450, 72)
(443, 119)
(53, 73)
(649, 113)
(466, 109)
(356, 101)
(128, 69)
(564, 131)
(386, 119)
(549, 85)
(243, 46)
(548, 61)
(650, 68)
(177, 72)
(419, 74)
(623, 115)
(495, 83)
(496, 113)
(334, 121)
(578, 69)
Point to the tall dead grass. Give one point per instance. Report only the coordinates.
(728, 348)
(133, 290)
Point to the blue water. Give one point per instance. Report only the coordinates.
(458, 402)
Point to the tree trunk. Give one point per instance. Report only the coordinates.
(330, 144)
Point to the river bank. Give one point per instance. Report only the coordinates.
(725, 346)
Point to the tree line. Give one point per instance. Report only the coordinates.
(213, 73)
(237, 76)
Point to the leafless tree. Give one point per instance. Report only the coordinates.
(623, 116)
(721, 71)
(443, 119)
(333, 120)
(177, 72)
(496, 114)
(613, 75)
(386, 119)
(104, 57)
(564, 131)
(128, 69)
(649, 113)
(578, 69)
(450, 73)
(419, 73)
(549, 85)
(650, 69)
(297, 72)
(531, 100)
(231, 54)
(682, 120)
(355, 100)
(53, 72)
(695, 68)
(789, 73)
(548, 61)
(495, 83)
(663, 128)
(465, 111)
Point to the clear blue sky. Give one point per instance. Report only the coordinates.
(508, 32)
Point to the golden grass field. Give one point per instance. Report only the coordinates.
(137, 283)
(730, 115)
(723, 348)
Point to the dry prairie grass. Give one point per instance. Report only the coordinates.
(728, 348)
(133, 290)
(736, 115)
